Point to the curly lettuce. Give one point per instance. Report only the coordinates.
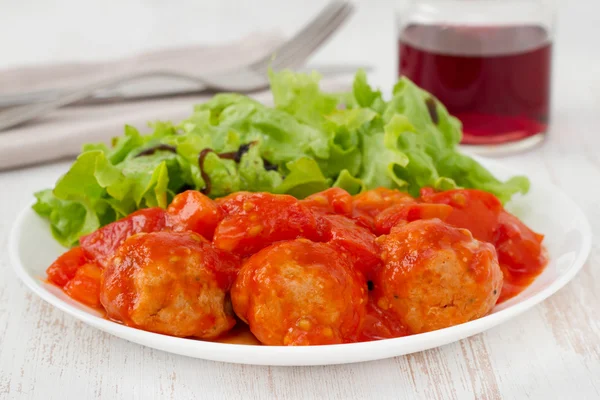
(309, 141)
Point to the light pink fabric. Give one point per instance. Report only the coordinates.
(62, 133)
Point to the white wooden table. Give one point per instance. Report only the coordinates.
(552, 351)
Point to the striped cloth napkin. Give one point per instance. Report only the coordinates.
(61, 134)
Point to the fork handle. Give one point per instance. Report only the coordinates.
(19, 115)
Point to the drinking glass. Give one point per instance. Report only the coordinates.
(487, 61)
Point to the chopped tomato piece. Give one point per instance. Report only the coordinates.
(225, 265)
(427, 191)
(474, 210)
(356, 241)
(232, 203)
(64, 268)
(193, 211)
(85, 286)
(100, 245)
(330, 201)
(367, 205)
(397, 214)
(260, 219)
(519, 248)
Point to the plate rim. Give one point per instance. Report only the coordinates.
(306, 355)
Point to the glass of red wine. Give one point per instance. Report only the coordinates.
(487, 61)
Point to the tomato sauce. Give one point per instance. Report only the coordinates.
(243, 223)
(519, 249)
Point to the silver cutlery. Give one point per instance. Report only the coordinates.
(291, 54)
(151, 88)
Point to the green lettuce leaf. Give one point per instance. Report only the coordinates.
(68, 219)
(300, 96)
(349, 183)
(254, 176)
(304, 178)
(309, 141)
(365, 96)
(468, 173)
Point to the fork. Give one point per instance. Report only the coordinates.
(291, 54)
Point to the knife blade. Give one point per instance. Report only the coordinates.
(149, 88)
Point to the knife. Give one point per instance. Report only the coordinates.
(149, 88)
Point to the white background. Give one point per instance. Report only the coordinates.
(39, 31)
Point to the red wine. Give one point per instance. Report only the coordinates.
(496, 80)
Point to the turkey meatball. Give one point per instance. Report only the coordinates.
(435, 275)
(174, 283)
(300, 293)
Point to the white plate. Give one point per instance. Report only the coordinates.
(546, 209)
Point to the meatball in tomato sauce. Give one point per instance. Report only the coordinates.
(174, 283)
(435, 275)
(300, 293)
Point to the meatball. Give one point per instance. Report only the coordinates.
(300, 293)
(435, 275)
(174, 283)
